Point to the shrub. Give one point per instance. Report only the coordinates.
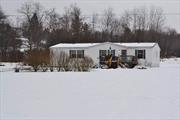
(38, 59)
(62, 61)
(86, 63)
(33, 59)
(83, 64)
(44, 60)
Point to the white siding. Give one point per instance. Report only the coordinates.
(156, 56)
(56, 53)
(93, 52)
(152, 57)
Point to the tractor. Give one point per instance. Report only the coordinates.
(122, 61)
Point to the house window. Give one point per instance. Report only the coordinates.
(124, 53)
(80, 53)
(106, 52)
(140, 54)
(113, 52)
(72, 53)
(102, 53)
(76, 53)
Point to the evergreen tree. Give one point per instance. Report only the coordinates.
(33, 30)
(76, 25)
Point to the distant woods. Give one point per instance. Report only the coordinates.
(41, 28)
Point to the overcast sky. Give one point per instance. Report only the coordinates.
(170, 7)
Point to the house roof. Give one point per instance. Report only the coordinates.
(84, 45)
(137, 44)
(74, 45)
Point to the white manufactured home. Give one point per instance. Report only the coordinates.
(148, 54)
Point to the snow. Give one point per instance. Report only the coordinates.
(140, 94)
(25, 44)
(4, 66)
(82, 45)
(137, 44)
(74, 45)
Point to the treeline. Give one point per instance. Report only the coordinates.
(42, 28)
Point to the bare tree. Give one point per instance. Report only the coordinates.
(126, 19)
(94, 21)
(29, 8)
(139, 23)
(33, 23)
(116, 27)
(139, 18)
(125, 22)
(66, 20)
(52, 20)
(107, 20)
(156, 19)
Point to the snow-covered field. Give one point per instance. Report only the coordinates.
(140, 94)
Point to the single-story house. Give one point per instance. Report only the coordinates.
(148, 54)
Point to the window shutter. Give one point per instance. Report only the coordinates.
(136, 53)
(144, 54)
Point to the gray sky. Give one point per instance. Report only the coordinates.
(171, 7)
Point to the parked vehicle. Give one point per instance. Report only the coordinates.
(115, 61)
